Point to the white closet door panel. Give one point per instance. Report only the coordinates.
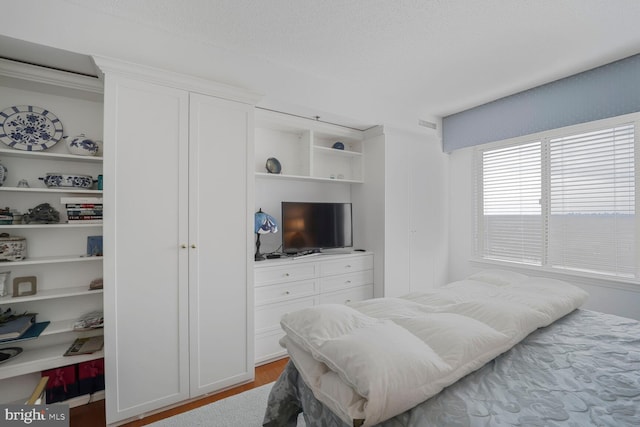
(396, 219)
(422, 219)
(220, 238)
(146, 289)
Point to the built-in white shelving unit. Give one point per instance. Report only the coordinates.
(304, 149)
(56, 253)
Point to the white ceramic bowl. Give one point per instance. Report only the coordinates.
(55, 179)
(82, 146)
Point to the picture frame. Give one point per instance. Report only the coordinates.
(94, 246)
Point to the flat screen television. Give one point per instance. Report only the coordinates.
(312, 226)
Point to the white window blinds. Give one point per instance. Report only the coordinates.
(565, 202)
(511, 219)
(592, 202)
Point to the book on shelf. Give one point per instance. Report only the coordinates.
(33, 332)
(80, 200)
(84, 211)
(15, 327)
(83, 206)
(84, 221)
(94, 245)
(86, 345)
(84, 217)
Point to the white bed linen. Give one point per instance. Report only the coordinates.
(377, 358)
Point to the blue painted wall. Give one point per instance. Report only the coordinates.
(607, 91)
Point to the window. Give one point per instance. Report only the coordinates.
(562, 200)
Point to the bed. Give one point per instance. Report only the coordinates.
(567, 366)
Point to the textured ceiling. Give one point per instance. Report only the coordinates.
(411, 58)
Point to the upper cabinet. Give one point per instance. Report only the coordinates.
(306, 149)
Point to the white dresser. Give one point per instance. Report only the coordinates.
(288, 284)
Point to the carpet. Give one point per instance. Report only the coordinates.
(241, 410)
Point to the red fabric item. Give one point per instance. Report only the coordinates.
(61, 377)
(91, 369)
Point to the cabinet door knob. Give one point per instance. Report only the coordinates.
(286, 274)
(287, 292)
(348, 266)
(183, 246)
(347, 301)
(193, 246)
(348, 281)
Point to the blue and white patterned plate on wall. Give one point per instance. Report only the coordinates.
(29, 128)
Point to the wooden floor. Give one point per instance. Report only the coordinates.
(93, 414)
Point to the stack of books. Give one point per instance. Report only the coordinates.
(87, 210)
(14, 326)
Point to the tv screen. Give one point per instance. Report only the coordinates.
(313, 226)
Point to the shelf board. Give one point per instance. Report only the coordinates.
(305, 178)
(51, 260)
(64, 326)
(60, 225)
(32, 73)
(40, 359)
(43, 155)
(336, 152)
(51, 294)
(50, 190)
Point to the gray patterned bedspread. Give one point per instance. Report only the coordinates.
(583, 370)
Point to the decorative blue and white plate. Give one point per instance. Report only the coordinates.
(29, 128)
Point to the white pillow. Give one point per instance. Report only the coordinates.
(499, 277)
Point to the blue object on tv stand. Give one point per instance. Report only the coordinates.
(338, 146)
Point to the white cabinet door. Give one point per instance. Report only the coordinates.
(408, 194)
(421, 207)
(178, 242)
(146, 276)
(220, 244)
(428, 219)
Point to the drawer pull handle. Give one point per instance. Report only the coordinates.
(347, 301)
(348, 281)
(348, 266)
(287, 292)
(286, 274)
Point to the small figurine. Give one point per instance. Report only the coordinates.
(41, 214)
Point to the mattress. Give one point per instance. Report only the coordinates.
(582, 370)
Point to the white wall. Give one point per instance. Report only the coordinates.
(605, 296)
(79, 28)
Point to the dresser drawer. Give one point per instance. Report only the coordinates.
(284, 273)
(347, 265)
(267, 317)
(350, 295)
(344, 281)
(268, 347)
(285, 291)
